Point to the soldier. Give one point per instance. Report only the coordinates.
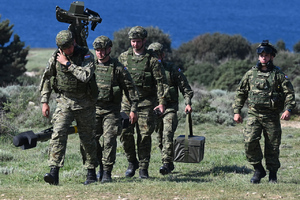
(167, 124)
(71, 70)
(268, 92)
(113, 80)
(146, 72)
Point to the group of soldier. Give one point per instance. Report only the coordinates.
(94, 91)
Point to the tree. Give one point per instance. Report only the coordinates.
(121, 41)
(12, 56)
(296, 47)
(280, 44)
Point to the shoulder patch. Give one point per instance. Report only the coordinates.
(125, 68)
(87, 56)
(179, 69)
(286, 77)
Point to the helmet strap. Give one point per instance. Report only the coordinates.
(106, 54)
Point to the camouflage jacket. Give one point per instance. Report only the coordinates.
(149, 78)
(177, 80)
(79, 73)
(114, 81)
(266, 92)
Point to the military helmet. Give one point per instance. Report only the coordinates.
(266, 47)
(156, 47)
(102, 42)
(137, 32)
(64, 39)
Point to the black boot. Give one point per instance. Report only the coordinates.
(52, 178)
(131, 168)
(144, 173)
(100, 173)
(171, 166)
(259, 173)
(166, 168)
(273, 177)
(90, 177)
(106, 177)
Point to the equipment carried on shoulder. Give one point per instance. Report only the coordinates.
(79, 19)
(189, 148)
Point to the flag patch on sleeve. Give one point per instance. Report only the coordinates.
(87, 56)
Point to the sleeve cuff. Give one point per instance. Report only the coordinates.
(236, 111)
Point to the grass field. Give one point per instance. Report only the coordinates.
(223, 174)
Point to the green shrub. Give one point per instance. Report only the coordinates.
(22, 109)
(229, 74)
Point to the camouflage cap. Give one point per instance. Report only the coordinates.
(137, 32)
(64, 39)
(102, 42)
(156, 46)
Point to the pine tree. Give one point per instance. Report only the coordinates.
(12, 56)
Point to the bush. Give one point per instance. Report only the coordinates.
(229, 74)
(219, 46)
(296, 47)
(12, 56)
(210, 107)
(22, 110)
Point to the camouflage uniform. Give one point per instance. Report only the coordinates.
(168, 123)
(113, 81)
(74, 102)
(146, 72)
(267, 93)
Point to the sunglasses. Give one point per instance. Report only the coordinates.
(266, 49)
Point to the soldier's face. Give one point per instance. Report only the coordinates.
(264, 58)
(101, 53)
(137, 44)
(69, 51)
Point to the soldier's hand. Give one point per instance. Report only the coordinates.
(133, 117)
(161, 108)
(238, 118)
(286, 115)
(46, 110)
(188, 109)
(61, 58)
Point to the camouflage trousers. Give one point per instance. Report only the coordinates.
(109, 127)
(62, 119)
(269, 125)
(167, 126)
(144, 128)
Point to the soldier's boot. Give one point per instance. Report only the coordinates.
(273, 177)
(132, 166)
(90, 177)
(144, 173)
(53, 177)
(259, 173)
(106, 177)
(166, 168)
(171, 166)
(100, 173)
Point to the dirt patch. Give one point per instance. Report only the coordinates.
(293, 124)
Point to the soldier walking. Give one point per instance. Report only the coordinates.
(146, 71)
(269, 92)
(167, 124)
(113, 81)
(70, 69)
